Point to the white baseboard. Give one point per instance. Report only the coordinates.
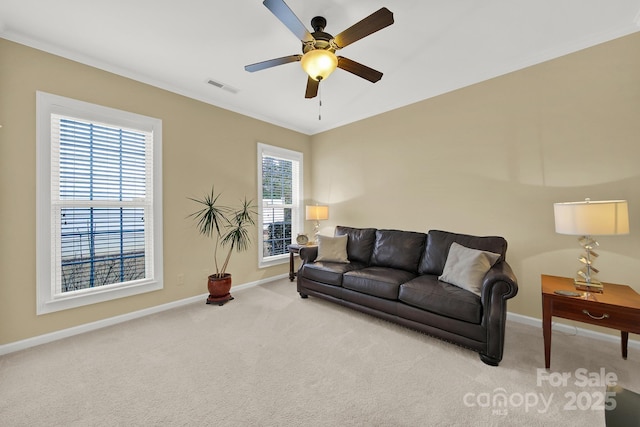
(76, 330)
(568, 329)
(88, 327)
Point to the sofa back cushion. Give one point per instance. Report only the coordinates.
(439, 242)
(359, 243)
(398, 249)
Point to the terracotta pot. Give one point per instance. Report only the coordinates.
(219, 289)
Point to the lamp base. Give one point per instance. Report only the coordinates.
(316, 230)
(593, 286)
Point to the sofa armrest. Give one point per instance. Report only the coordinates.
(498, 286)
(308, 254)
(499, 273)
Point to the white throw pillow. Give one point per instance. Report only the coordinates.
(333, 249)
(466, 267)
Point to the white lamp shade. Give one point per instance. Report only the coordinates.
(319, 63)
(317, 213)
(592, 218)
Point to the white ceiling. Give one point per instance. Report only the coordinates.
(433, 47)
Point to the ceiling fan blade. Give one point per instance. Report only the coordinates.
(272, 63)
(312, 88)
(280, 9)
(369, 25)
(359, 69)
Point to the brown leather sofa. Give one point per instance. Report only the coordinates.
(394, 275)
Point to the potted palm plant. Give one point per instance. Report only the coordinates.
(230, 229)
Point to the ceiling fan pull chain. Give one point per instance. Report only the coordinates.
(319, 102)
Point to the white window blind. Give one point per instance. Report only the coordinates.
(280, 186)
(99, 181)
(101, 195)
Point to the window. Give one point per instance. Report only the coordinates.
(99, 203)
(279, 202)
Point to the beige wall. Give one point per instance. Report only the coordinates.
(487, 159)
(202, 145)
(492, 158)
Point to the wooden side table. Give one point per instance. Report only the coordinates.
(294, 249)
(617, 308)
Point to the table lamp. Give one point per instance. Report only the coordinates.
(317, 213)
(587, 219)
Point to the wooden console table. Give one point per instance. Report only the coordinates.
(617, 308)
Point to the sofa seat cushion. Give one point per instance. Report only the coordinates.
(327, 272)
(428, 293)
(381, 282)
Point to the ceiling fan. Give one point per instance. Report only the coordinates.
(318, 48)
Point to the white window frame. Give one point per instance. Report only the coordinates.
(297, 210)
(48, 299)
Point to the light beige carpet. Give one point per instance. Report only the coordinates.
(269, 358)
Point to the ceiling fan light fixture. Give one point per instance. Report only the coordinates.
(319, 63)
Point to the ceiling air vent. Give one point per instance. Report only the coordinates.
(222, 86)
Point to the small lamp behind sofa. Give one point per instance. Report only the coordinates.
(316, 213)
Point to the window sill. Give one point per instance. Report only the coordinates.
(276, 260)
(46, 304)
